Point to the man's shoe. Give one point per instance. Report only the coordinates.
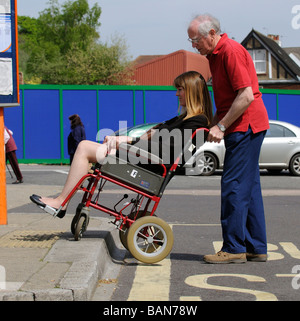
(224, 258)
(256, 257)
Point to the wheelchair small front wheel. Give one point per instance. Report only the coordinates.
(150, 239)
(76, 217)
(80, 227)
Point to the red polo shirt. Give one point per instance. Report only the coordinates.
(232, 69)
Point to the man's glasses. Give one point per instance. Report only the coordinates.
(194, 40)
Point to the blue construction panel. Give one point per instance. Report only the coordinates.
(83, 103)
(270, 103)
(114, 107)
(289, 108)
(42, 124)
(213, 102)
(139, 107)
(160, 106)
(13, 119)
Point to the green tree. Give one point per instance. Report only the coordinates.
(28, 35)
(61, 47)
(72, 23)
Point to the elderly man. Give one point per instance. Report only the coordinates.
(242, 120)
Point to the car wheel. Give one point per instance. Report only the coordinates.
(206, 164)
(295, 165)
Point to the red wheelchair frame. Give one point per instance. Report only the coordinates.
(148, 238)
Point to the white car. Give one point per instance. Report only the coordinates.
(280, 150)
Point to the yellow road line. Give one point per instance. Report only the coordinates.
(151, 282)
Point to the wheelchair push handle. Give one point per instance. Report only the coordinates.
(187, 146)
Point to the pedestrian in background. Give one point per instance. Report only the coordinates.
(242, 120)
(76, 135)
(10, 152)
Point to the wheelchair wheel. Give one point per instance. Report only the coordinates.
(82, 223)
(76, 217)
(124, 232)
(80, 227)
(150, 239)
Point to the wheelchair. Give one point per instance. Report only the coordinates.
(147, 237)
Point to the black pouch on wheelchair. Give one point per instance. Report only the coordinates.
(131, 174)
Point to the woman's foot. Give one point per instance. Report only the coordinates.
(43, 202)
(53, 202)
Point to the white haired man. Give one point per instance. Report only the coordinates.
(242, 120)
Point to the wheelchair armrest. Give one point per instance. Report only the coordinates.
(154, 159)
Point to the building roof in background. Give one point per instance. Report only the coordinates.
(162, 70)
(145, 58)
(294, 53)
(277, 51)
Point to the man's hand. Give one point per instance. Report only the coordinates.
(215, 135)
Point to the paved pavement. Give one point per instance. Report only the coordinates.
(41, 261)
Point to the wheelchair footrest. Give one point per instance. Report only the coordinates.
(50, 210)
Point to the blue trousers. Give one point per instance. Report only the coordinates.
(242, 210)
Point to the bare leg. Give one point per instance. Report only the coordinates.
(85, 154)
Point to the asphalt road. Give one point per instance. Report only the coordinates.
(191, 205)
(197, 231)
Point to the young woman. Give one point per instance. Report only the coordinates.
(196, 112)
(76, 135)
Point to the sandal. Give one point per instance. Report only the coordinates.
(36, 199)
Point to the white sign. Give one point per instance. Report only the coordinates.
(5, 6)
(6, 81)
(5, 33)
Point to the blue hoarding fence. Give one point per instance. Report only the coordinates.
(41, 125)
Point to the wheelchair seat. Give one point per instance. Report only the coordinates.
(130, 166)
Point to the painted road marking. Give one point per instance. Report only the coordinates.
(152, 282)
(201, 281)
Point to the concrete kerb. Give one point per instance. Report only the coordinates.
(90, 260)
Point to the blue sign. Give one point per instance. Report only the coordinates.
(9, 71)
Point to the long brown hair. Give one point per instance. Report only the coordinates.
(197, 96)
(75, 121)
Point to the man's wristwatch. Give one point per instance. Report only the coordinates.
(222, 127)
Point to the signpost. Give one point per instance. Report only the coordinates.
(9, 83)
